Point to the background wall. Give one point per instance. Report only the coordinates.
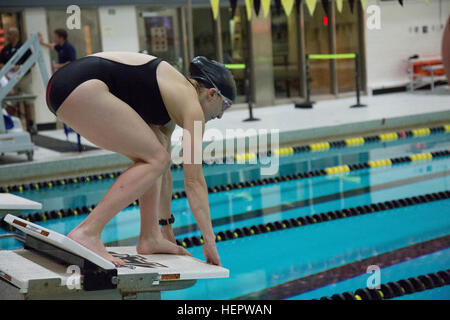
(262, 60)
(388, 48)
(119, 28)
(118, 33)
(35, 19)
(401, 35)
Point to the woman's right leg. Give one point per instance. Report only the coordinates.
(108, 122)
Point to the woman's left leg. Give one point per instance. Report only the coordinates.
(151, 239)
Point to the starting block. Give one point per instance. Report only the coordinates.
(53, 266)
(10, 202)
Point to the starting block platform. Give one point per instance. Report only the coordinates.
(53, 266)
(11, 203)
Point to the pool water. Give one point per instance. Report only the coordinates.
(310, 261)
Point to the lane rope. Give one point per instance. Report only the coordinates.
(398, 288)
(243, 158)
(285, 224)
(58, 214)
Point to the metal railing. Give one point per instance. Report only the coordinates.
(36, 56)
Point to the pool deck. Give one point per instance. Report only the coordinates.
(327, 120)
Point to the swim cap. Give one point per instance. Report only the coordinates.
(215, 74)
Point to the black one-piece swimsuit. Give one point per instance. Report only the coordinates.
(135, 85)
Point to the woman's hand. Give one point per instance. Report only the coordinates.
(211, 254)
(167, 233)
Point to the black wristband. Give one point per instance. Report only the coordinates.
(164, 222)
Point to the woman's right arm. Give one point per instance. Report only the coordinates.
(183, 106)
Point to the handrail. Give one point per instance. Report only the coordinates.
(36, 56)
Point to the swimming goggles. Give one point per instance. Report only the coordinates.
(226, 104)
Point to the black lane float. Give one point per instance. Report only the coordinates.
(396, 288)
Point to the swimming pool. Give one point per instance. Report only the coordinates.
(319, 258)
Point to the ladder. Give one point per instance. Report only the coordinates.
(36, 56)
(18, 140)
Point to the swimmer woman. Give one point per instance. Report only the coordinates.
(129, 103)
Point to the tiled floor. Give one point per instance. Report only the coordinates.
(327, 118)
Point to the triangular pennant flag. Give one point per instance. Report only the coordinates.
(287, 6)
(364, 4)
(401, 2)
(298, 4)
(215, 8)
(248, 6)
(311, 4)
(352, 4)
(339, 4)
(266, 7)
(278, 7)
(233, 5)
(325, 7)
(257, 5)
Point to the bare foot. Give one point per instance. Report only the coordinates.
(167, 233)
(94, 244)
(159, 245)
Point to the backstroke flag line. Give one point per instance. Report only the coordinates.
(339, 5)
(287, 6)
(266, 7)
(249, 7)
(311, 4)
(215, 8)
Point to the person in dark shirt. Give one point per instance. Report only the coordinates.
(12, 38)
(66, 52)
